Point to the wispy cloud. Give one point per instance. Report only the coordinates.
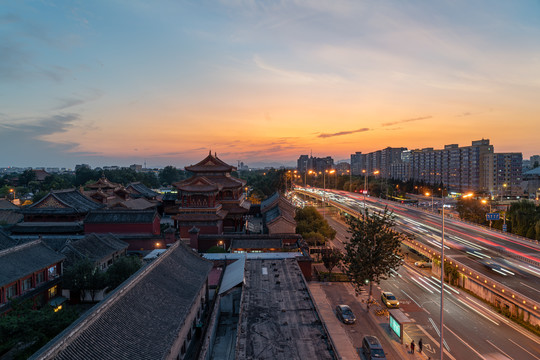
(341, 133)
(406, 120)
(299, 76)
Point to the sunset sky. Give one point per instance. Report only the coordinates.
(120, 82)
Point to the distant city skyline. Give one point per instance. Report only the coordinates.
(121, 83)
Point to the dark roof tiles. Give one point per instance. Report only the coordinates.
(141, 319)
(120, 216)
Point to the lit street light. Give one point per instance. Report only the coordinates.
(427, 194)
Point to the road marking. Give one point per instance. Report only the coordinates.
(529, 287)
(410, 298)
(534, 356)
(434, 341)
(478, 312)
(463, 341)
(502, 352)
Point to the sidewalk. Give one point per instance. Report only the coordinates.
(377, 324)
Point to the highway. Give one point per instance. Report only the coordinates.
(472, 329)
(508, 260)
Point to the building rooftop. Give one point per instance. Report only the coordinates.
(139, 320)
(120, 216)
(22, 260)
(278, 319)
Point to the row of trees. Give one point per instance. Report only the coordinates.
(522, 218)
(27, 182)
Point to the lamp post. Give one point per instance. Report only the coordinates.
(484, 201)
(442, 277)
(13, 192)
(350, 179)
(324, 187)
(427, 194)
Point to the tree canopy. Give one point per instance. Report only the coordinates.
(310, 221)
(372, 251)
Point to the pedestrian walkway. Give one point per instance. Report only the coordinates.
(378, 324)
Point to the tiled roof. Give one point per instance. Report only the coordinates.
(94, 247)
(71, 199)
(6, 204)
(137, 204)
(6, 241)
(22, 260)
(141, 189)
(210, 164)
(103, 183)
(47, 228)
(141, 319)
(10, 217)
(198, 184)
(269, 202)
(120, 216)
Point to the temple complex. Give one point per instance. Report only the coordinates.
(211, 200)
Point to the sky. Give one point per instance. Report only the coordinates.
(120, 82)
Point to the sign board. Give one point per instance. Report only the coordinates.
(395, 326)
(492, 216)
(505, 228)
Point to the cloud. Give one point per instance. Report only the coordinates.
(406, 120)
(342, 133)
(297, 76)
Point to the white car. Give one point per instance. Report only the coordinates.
(423, 264)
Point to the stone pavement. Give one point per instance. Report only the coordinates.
(377, 324)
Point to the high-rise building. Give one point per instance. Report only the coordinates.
(502, 173)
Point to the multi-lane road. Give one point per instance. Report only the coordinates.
(472, 329)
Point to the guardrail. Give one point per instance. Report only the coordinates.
(520, 301)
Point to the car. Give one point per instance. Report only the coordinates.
(389, 299)
(345, 314)
(372, 348)
(423, 264)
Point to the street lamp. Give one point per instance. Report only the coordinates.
(324, 185)
(441, 330)
(13, 192)
(427, 194)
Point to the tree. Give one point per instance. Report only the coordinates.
(122, 269)
(309, 220)
(77, 277)
(331, 258)
(169, 175)
(372, 251)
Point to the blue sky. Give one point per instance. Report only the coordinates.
(123, 82)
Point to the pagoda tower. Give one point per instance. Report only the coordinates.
(211, 200)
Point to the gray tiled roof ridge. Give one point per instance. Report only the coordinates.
(63, 339)
(20, 247)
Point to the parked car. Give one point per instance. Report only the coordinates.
(389, 299)
(423, 264)
(345, 314)
(372, 348)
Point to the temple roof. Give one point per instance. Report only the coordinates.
(120, 216)
(94, 247)
(23, 260)
(47, 228)
(194, 216)
(138, 188)
(142, 318)
(63, 199)
(210, 164)
(103, 183)
(198, 184)
(6, 241)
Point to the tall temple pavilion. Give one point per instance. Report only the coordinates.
(211, 200)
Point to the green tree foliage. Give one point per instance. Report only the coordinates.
(216, 249)
(264, 183)
(82, 276)
(122, 269)
(26, 177)
(27, 329)
(314, 238)
(372, 251)
(309, 220)
(169, 175)
(472, 210)
(331, 258)
(523, 216)
(84, 174)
